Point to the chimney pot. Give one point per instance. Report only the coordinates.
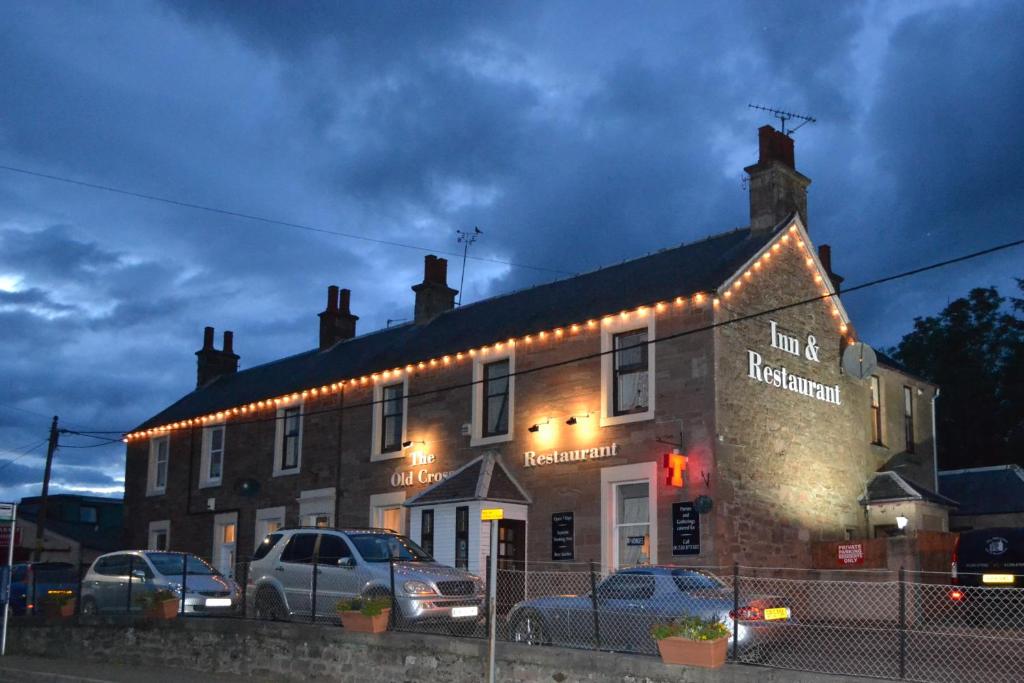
(344, 298)
(336, 322)
(433, 295)
(332, 298)
(207, 338)
(212, 363)
(229, 340)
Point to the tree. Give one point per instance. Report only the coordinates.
(974, 352)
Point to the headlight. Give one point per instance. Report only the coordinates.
(480, 584)
(417, 588)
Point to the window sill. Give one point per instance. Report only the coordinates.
(209, 484)
(390, 455)
(612, 420)
(288, 472)
(156, 492)
(488, 440)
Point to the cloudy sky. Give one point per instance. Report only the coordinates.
(573, 133)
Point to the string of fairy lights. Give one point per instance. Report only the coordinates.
(795, 238)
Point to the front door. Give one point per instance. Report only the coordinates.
(511, 564)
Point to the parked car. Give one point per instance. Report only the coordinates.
(39, 581)
(986, 559)
(350, 563)
(629, 602)
(114, 581)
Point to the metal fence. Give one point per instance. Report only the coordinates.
(875, 623)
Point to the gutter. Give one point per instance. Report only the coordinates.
(935, 443)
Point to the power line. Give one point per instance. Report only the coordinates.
(271, 221)
(29, 450)
(677, 335)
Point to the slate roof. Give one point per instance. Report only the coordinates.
(886, 487)
(483, 478)
(985, 490)
(698, 267)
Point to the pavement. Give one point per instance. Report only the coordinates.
(22, 669)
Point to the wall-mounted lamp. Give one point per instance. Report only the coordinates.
(406, 444)
(901, 522)
(574, 418)
(534, 428)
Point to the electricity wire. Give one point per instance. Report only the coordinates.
(8, 463)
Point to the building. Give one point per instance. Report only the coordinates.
(78, 528)
(675, 407)
(987, 496)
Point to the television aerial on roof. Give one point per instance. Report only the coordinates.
(784, 116)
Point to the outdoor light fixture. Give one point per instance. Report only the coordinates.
(574, 418)
(901, 522)
(406, 444)
(534, 428)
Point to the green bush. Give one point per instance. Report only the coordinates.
(369, 607)
(691, 628)
(150, 599)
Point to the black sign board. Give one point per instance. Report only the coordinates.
(563, 536)
(685, 529)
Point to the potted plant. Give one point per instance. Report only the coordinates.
(692, 641)
(59, 606)
(365, 615)
(159, 604)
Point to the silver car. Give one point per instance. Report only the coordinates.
(115, 581)
(291, 566)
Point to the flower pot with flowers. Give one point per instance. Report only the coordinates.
(59, 605)
(365, 615)
(159, 604)
(692, 641)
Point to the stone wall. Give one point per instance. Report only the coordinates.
(294, 652)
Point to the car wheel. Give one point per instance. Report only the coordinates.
(89, 607)
(270, 605)
(529, 629)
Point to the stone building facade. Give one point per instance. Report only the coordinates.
(638, 413)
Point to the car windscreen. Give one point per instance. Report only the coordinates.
(381, 547)
(687, 581)
(170, 564)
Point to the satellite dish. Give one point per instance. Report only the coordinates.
(247, 487)
(859, 360)
(703, 504)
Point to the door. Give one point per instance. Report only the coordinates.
(511, 564)
(338, 577)
(295, 572)
(632, 544)
(227, 548)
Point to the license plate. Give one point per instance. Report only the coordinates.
(997, 578)
(218, 602)
(776, 613)
(465, 611)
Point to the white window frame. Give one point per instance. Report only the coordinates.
(157, 527)
(279, 440)
(151, 476)
(477, 419)
(609, 328)
(382, 501)
(264, 516)
(205, 480)
(627, 474)
(219, 523)
(317, 502)
(378, 420)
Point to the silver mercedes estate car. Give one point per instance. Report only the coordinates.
(294, 567)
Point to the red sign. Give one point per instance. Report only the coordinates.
(675, 463)
(5, 536)
(851, 553)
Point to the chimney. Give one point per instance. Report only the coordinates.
(433, 295)
(336, 322)
(825, 256)
(777, 189)
(212, 363)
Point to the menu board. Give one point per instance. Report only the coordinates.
(563, 536)
(685, 529)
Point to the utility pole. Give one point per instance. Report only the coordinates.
(41, 517)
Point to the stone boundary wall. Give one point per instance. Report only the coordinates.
(298, 652)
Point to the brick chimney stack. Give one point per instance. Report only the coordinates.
(825, 256)
(212, 363)
(337, 322)
(777, 189)
(433, 295)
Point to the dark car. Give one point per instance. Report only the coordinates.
(987, 574)
(34, 583)
(629, 602)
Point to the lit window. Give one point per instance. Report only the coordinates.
(876, 410)
(632, 524)
(627, 370)
(212, 456)
(629, 366)
(158, 462)
(908, 418)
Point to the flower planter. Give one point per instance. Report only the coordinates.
(709, 654)
(165, 609)
(360, 623)
(55, 610)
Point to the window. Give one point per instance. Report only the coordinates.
(225, 542)
(627, 586)
(300, 549)
(316, 507)
(332, 549)
(158, 460)
(908, 418)
(462, 537)
(392, 419)
(212, 461)
(427, 531)
(876, 410)
(87, 514)
(387, 511)
(288, 443)
(632, 523)
(496, 398)
(627, 370)
(494, 385)
(159, 535)
(629, 514)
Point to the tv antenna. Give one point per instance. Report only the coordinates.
(784, 116)
(466, 238)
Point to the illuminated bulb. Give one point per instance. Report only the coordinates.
(304, 394)
(295, 397)
(447, 360)
(809, 261)
(641, 311)
(511, 341)
(843, 328)
(607, 321)
(433, 362)
(558, 332)
(727, 295)
(458, 356)
(748, 275)
(542, 334)
(364, 379)
(529, 339)
(498, 346)
(235, 411)
(757, 265)
(736, 285)
(792, 228)
(785, 239)
(699, 298)
(835, 312)
(817, 277)
(799, 243)
(421, 365)
(679, 301)
(575, 328)
(624, 315)
(715, 302)
(766, 255)
(472, 352)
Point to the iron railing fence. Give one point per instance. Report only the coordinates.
(916, 626)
